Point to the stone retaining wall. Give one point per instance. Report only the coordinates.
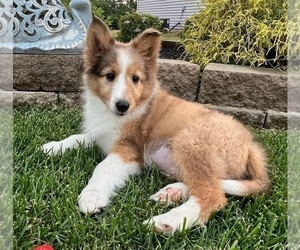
(257, 97)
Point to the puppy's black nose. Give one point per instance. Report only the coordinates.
(122, 106)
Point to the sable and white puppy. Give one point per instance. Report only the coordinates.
(134, 121)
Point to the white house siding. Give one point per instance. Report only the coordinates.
(170, 9)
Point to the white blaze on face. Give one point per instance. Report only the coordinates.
(119, 89)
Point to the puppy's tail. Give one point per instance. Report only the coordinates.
(258, 182)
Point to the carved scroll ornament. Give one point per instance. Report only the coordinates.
(44, 26)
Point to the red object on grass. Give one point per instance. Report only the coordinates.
(44, 247)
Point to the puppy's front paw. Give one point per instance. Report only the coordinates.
(52, 148)
(91, 201)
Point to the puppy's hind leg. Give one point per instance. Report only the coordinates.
(72, 142)
(205, 198)
(177, 219)
(171, 193)
(195, 160)
(205, 193)
(199, 165)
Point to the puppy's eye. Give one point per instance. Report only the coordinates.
(110, 77)
(135, 79)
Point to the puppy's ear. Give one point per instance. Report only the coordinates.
(98, 40)
(148, 43)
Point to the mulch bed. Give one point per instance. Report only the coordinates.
(173, 53)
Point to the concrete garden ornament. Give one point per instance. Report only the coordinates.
(44, 26)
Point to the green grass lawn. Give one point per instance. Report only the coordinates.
(46, 190)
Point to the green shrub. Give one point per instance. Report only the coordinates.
(242, 32)
(113, 10)
(134, 23)
(110, 11)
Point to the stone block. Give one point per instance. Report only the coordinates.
(70, 98)
(6, 99)
(294, 91)
(276, 120)
(294, 121)
(6, 72)
(244, 87)
(179, 78)
(254, 118)
(48, 72)
(24, 98)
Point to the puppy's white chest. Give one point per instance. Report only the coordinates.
(103, 126)
(107, 137)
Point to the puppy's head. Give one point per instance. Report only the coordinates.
(122, 75)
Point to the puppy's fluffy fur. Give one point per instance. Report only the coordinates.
(135, 121)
